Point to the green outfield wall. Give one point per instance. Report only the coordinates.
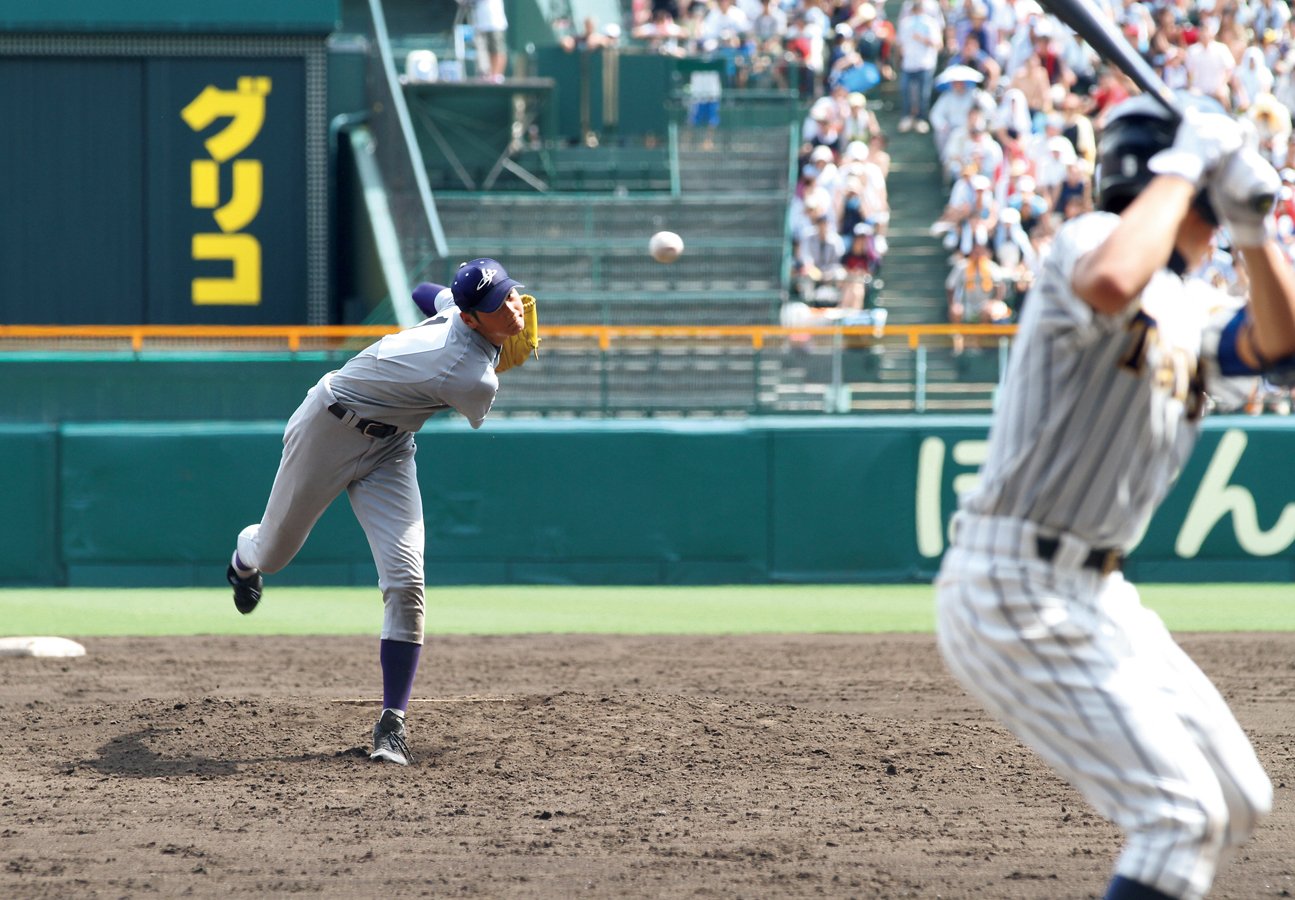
(644, 502)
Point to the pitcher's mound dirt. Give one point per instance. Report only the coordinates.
(559, 766)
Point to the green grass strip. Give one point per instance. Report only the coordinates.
(79, 612)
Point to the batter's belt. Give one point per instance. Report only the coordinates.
(1021, 539)
(1104, 559)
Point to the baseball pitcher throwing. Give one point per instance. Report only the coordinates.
(354, 432)
(1099, 409)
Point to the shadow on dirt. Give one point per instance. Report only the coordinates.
(132, 756)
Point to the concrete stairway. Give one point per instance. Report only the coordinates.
(741, 162)
(916, 264)
(913, 276)
(586, 254)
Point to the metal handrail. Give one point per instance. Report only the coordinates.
(788, 224)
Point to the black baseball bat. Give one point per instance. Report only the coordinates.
(1101, 34)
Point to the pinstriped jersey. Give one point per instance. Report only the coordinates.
(1097, 413)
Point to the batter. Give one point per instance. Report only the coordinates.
(1099, 410)
(354, 432)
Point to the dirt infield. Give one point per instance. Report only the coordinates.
(558, 766)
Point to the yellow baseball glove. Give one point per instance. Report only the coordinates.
(517, 349)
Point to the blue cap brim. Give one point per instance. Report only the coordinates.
(498, 294)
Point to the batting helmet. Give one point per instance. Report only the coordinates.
(1136, 130)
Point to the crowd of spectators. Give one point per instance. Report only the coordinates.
(832, 52)
(1013, 104)
(1019, 102)
(799, 44)
(840, 212)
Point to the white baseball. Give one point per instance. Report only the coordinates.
(665, 246)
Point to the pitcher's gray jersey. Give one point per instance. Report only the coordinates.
(399, 381)
(1098, 412)
(406, 377)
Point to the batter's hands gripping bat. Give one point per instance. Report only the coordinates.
(1086, 20)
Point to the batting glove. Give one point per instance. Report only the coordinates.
(1243, 191)
(1200, 144)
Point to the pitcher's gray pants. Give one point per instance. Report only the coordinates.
(323, 457)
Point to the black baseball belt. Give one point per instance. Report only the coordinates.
(368, 427)
(1104, 559)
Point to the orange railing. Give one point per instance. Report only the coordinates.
(292, 337)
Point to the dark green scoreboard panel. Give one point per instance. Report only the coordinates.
(163, 178)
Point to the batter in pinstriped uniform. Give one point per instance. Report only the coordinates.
(1098, 411)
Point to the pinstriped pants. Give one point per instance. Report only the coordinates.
(1092, 681)
(322, 457)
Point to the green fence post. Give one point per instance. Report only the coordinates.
(604, 387)
(919, 380)
(673, 132)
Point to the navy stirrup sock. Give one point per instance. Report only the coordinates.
(1122, 888)
(399, 664)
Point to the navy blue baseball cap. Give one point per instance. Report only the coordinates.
(481, 285)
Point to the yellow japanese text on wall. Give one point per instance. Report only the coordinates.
(244, 107)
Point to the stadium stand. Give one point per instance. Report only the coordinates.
(400, 214)
(585, 254)
(580, 245)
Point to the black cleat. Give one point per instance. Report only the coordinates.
(247, 591)
(389, 740)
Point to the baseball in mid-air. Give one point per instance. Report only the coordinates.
(665, 246)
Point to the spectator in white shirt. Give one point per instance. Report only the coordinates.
(769, 22)
(1013, 114)
(726, 25)
(973, 145)
(1053, 154)
(919, 41)
(1272, 122)
(810, 201)
(1250, 79)
(949, 112)
(820, 258)
(829, 176)
(816, 26)
(1210, 65)
(490, 30)
(1174, 69)
(1268, 15)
